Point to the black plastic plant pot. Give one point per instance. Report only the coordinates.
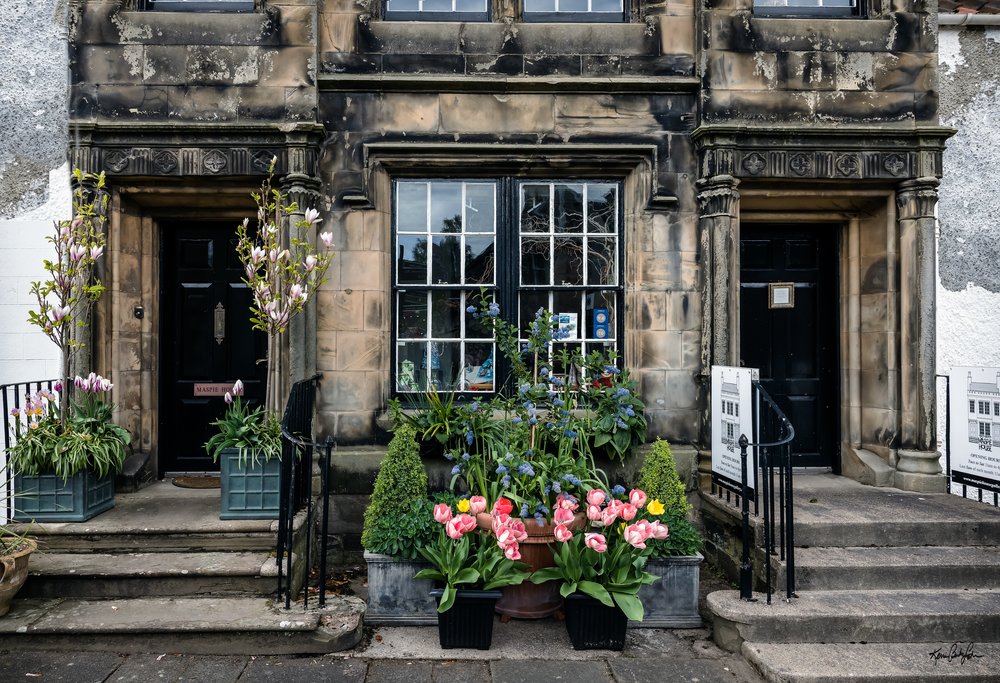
(469, 622)
(594, 626)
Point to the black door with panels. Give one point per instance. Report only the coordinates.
(206, 340)
(790, 329)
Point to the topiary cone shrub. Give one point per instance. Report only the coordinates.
(659, 479)
(401, 479)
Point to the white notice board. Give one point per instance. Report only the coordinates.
(975, 427)
(732, 415)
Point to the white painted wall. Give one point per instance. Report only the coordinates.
(968, 292)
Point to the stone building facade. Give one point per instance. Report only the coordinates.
(649, 169)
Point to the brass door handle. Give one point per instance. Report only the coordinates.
(220, 323)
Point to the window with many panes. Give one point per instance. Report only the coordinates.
(437, 10)
(835, 8)
(574, 10)
(530, 245)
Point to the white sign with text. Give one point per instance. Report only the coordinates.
(975, 427)
(732, 415)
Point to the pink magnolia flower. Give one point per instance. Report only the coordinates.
(297, 293)
(312, 216)
(512, 552)
(628, 512)
(77, 222)
(562, 533)
(595, 497)
(562, 516)
(310, 263)
(442, 513)
(634, 536)
(595, 542)
(477, 504)
(57, 312)
(658, 531)
(238, 388)
(327, 238)
(96, 251)
(257, 254)
(77, 252)
(637, 497)
(593, 513)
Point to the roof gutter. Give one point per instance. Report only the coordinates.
(969, 19)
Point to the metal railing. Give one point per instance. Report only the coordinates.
(13, 396)
(774, 434)
(297, 452)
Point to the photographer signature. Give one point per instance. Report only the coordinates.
(962, 654)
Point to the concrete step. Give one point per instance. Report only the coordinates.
(876, 663)
(895, 532)
(131, 575)
(203, 625)
(895, 568)
(845, 616)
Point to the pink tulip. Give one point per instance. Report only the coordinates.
(593, 513)
(634, 536)
(628, 512)
(658, 531)
(442, 513)
(595, 542)
(453, 529)
(465, 522)
(595, 497)
(505, 538)
(567, 502)
(477, 504)
(562, 516)
(238, 388)
(562, 533)
(512, 552)
(608, 516)
(637, 498)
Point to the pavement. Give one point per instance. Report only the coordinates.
(521, 651)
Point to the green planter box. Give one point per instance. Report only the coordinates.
(249, 491)
(672, 602)
(48, 498)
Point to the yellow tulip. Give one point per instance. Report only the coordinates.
(655, 507)
(463, 505)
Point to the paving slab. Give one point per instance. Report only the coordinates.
(519, 671)
(304, 670)
(460, 672)
(58, 667)
(173, 667)
(680, 670)
(877, 662)
(399, 671)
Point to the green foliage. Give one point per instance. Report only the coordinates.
(659, 479)
(618, 415)
(401, 480)
(401, 533)
(255, 433)
(684, 539)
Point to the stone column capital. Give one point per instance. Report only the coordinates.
(917, 198)
(302, 189)
(717, 196)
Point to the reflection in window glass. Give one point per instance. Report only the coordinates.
(572, 6)
(455, 6)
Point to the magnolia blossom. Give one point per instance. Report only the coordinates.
(562, 533)
(477, 504)
(310, 262)
(96, 251)
(595, 542)
(77, 252)
(637, 497)
(297, 292)
(57, 312)
(327, 238)
(442, 513)
(238, 388)
(312, 216)
(257, 254)
(77, 222)
(595, 497)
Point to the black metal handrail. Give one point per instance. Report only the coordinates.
(775, 434)
(297, 448)
(15, 396)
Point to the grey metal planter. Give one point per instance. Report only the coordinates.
(672, 602)
(249, 491)
(394, 596)
(49, 498)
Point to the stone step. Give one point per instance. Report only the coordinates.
(876, 662)
(845, 616)
(895, 568)
(189, 625)
(153, 540)
(130, 575)
(896, 532)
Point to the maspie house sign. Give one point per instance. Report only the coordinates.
(732, 415)
(975, 427)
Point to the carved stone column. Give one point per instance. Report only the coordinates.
(304, 191)
(918, 467)
(718, 222)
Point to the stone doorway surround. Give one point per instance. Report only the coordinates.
(881, 186)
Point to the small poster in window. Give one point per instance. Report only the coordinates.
(567, 325)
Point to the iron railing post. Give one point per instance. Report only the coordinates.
(746, 568)
(325, 489)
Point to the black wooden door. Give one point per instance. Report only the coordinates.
(206, 340)
(797, 348)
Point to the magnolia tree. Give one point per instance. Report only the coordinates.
(282, 272)
(65, 299)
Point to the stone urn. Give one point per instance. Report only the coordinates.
(14, 572)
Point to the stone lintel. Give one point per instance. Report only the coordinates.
(503, 85)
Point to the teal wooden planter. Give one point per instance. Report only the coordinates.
(48, 498)
(249, 491)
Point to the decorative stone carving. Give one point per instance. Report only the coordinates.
(754, 163)
(848, 165)
(261, 160)
(718, 196)
(894, 163)
(917, 198)
(801, 164)
(215, 161)
(164, 162)
(116, 160)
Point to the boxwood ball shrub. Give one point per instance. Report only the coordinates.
(659, 479)
(401, 480)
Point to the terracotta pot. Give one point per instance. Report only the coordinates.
(532, 600)
(13, 574)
